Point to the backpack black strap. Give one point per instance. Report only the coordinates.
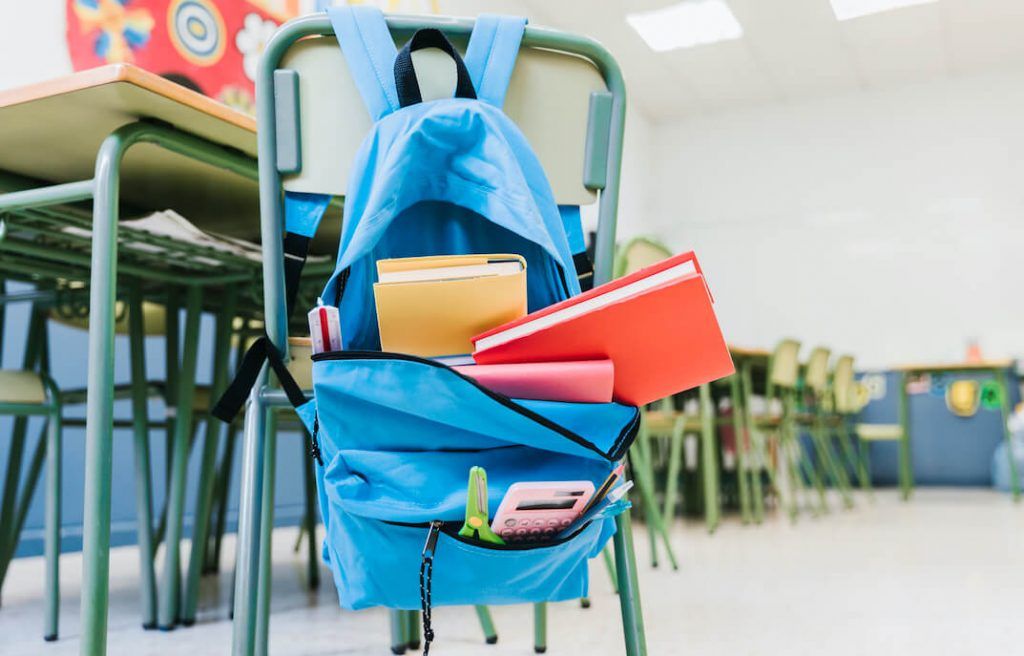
(262, 350)
(405, 75)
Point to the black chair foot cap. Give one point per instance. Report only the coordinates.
(50, 638)
(148, 626)
(540, 650)
(584, 603)
(398, 651)
(414, 645)
(169, 627)
(492, 640)
(188, 622)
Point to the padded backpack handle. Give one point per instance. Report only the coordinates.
(405, 75)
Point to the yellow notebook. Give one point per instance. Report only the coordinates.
(432, 306)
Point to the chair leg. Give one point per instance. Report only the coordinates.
(413, 629)
(247, 560)
(399, 631)
(629, 588)
(709, 458)
(52, 546)
(168, 611)
(609, 565)
(263, 590)
(15, 455)
(864, 450)
(675, 464)
(208, 465)
(855, 462)
(756, 457)
(24, 498)
(540, 627)
(309, 521)
(835, 474)
(652, 514)
(483, 614)
(645, 471)
(223, 492)
(742, 456)
(143, 477)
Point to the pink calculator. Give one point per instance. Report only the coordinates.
(534, 512)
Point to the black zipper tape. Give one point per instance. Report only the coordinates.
(622, 442)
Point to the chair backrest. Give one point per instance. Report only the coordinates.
(784, 367)
(549, 97)
(816, 371)
(844, 386)
(638, 253)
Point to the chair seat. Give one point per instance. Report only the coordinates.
(879, 432)
(767, 421)
(663, 423)
(21, 387)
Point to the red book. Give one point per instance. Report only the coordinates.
(657, 325)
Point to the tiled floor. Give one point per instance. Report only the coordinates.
(943, 574)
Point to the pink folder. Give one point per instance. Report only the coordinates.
(583, 381)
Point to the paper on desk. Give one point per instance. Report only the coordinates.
(172, 225)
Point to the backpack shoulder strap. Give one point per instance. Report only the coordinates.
(491, 55)
(370, 54)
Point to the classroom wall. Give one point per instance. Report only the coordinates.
(884, 223)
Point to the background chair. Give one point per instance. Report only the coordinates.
(844, 406)
(25, 393)
(815, 380)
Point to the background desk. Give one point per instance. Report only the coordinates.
(945, 449)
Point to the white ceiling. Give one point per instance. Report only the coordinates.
(791, 49)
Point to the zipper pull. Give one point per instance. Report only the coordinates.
(314, 446)
(435, 531)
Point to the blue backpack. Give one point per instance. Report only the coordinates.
(396, 435)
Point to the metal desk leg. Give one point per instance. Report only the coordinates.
(1004, 414)
(207, 471)
(52, 544)
(906, 468)
(100, 404)
(247, 561)
(143, 482)
(167, 615)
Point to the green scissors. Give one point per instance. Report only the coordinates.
(476, 525)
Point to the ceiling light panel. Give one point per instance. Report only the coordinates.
(686, 24)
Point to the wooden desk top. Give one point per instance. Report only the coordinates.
(51, 131)
(984, 365)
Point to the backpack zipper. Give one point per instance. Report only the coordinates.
(450, 529)
(618, 448)
(426, 581)
(314, 445)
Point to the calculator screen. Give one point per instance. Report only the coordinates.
(547, 505)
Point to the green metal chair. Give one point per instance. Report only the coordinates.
(815, 420)
(23, 394)
(868, 433)
(843, 393)
(301, 137)
(773, 428)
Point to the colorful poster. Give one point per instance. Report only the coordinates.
(919, 384)
(211, 46)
